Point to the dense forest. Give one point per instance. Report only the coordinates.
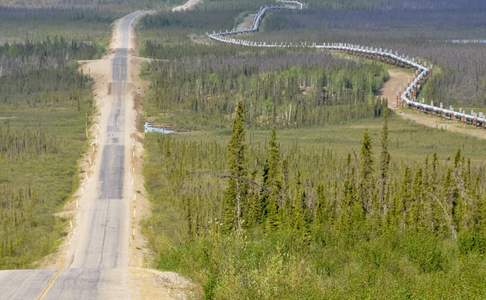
(45, 108)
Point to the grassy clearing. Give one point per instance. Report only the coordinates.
(408, 141)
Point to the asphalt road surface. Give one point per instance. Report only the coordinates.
(98, 264)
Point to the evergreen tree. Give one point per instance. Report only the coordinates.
(450, 205)
(416, 216)
(427, 204)
(436, 206)
(366, 185)
(299, 205)
(236, 192)
(285, 185)
(270, 193)
(349, 198)
(264, 194)
(253, 213)
(274, 183)
(404, 199)
(384, 164)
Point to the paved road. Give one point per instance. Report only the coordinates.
(98, 263)
(23, 284)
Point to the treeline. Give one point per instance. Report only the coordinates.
(154, 49)
(287, 90)
(39, 74)
(60, 13)
(52, 53)
(354, 4)
(290, 222)
(393, 4)
(44, 88)
(197, 20)
(249, 5)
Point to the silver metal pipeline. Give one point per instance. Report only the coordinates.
(407, 97)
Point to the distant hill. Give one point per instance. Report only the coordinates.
(85, 3)
(409, 4)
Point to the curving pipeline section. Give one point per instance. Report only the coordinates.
(407, 98)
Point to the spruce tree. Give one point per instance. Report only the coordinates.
(264, 194)
(298, 221)
(274, 183)
(437, 210)
(416, 214)
(349, 198)
(449, 207)
(366, 185)
(404, 199)
(384, 164)
(285, 186)
(237, 189)
(253, 210)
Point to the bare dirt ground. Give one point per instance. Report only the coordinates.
(399, 78)
(393, 87)
(190, 4)
(246, 23)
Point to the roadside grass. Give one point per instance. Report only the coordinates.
(50, 178)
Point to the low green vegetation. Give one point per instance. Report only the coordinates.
(45, 108)
(286, 219)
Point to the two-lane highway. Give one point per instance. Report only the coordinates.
(99, 267)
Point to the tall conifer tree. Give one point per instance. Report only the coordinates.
(236, 192)
(384, 165)
(366, 184)
(274, 182)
